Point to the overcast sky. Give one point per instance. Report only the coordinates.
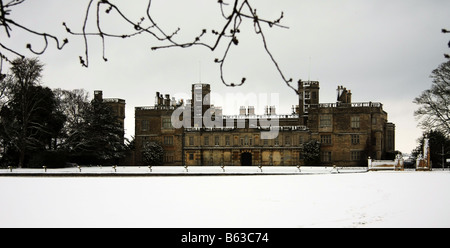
(383, 51)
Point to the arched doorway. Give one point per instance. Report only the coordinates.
(246, 159)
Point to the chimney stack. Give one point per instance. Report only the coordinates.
(242, 110)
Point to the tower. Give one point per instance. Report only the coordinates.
(98, 95)
(308, 95)
(301, 102)
(200, 103)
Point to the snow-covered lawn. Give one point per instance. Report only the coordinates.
(372, 199)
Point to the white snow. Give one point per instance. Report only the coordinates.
(372, 199)
(177, 170)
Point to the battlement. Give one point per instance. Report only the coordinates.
(114, 100)
(347, 105)
(310, 83)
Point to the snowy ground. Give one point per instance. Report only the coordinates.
(372, 199)
(180, 170)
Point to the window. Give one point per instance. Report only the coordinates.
(325, 156)
(266, 142)
(325, 121)
(287, 140)
(191, 141)
(145, 124)
(246, 141)
(374, 120)
(166, 123)
(168, 140)
(356, 155)
(355, 121)
(168, 157)
(325, 139)
(355, 139)
(307, 95)
(227, 141)
(216, 140)
(206, 141)
(191, 156)
(276, 141)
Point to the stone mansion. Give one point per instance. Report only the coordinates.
(347, 132)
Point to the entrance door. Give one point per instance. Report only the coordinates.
(246, 159)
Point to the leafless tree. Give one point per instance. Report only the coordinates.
(434, 110)
(22, 124)
(72, 104)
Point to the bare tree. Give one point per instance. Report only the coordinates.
(434, 103)
(28, 121)
(72, 103)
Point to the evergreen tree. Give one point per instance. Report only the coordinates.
(153, 153)
(98, 137)
(311, 152)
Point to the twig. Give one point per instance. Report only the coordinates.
(241, 10)
(7, 23)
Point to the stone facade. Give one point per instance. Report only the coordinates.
(154, 124)
(348, 132)
(245, 146)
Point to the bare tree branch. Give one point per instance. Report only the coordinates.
(234, 14)
(7, 24)
(240, 11)
(445, 31)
